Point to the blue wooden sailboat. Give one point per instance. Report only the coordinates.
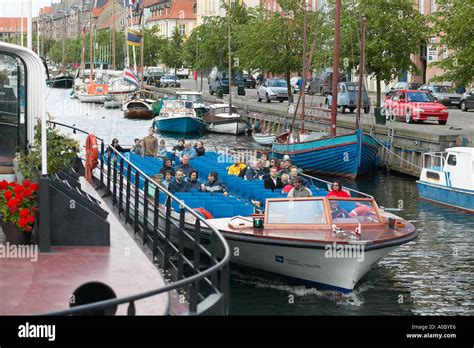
(448, 178)
(178, 116)
(345, 155)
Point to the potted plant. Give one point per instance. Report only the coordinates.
(18, 207)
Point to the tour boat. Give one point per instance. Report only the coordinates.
(178, 116)
(448, 178)
(138, 105)
(219, 119)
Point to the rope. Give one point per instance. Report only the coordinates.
(393, 153)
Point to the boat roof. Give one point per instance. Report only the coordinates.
(221, 105)
(189, 92)
(468, 150)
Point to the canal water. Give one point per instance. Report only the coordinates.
(432, 275)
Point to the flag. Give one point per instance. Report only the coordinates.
(134, 37)
(130, 77)
(135, 4)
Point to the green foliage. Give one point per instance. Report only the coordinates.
(62, 150)
(170, 53)
(454, 24)
(153, 45)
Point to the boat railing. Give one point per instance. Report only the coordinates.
(434, 160)
(202, 273)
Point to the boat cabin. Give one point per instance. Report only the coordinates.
(177, 108)
(453, 168)
(195, 97)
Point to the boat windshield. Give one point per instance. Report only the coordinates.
(347, 211)
(296, 212)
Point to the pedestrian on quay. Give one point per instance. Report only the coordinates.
(337, 191)
(150, 144)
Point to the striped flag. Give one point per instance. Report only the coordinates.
(130, 77)
(134, 38)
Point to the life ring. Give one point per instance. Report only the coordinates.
(92, 156)
(204, 213)
(361, 210)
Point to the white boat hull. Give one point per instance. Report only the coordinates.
(91, 98)
(236, 127)
(264, 139)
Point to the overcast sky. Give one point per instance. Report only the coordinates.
(12, 8)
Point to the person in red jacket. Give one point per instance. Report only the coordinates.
(336, 190)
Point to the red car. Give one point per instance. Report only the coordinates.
(416, 105)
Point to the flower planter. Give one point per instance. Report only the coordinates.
(14, 235)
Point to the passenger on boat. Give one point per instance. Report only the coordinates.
(176, 151)
(185, 167)
(237, 167)
(264, 164)
(117, 147)
(150, 144)
(137, 149)
(167, 167)
(299, 190)
(273, 181)
(188, 150)
(275, 163)
(193, 181)
(285, 181)
(253, 173)
(214, 184)
(336, 211)
(178, 184)
(162, 150)
(285, 167)
(337, 191)
(294, 173)
(199, 147)
(167, 181)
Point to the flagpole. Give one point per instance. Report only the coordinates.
(133, 47)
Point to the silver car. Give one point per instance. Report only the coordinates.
(273, 89)
(444, 94)
(347, 97)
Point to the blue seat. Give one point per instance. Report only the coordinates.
(258, 194)
(222, 210)
(243, 209)
(210, 203)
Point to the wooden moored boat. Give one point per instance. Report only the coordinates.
(138, 105)
(219, 120)
(264, 138)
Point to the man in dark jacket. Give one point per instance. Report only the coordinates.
(178, 184)
(273, 181)
(185, 167)
(214, 184)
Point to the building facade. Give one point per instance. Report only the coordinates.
(168, 15)
(10, 28)
(212, 8)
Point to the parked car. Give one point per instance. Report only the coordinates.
(218, 81)
(273, 89)
(415, 105)
(322, 83)
(182, 73)
(347, 97)
(402, 85)
(249, 81)
(170, 81)
(467, 101)
(444, 94)
(153, 75)
(295, 84)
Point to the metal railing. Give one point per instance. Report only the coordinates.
(196, 262)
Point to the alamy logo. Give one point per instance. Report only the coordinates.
(344, 251)
(37, 331)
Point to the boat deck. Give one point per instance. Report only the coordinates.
(45, 285)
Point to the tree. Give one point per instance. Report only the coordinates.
(170, 53)
(154, 44)
(395, 30)
(454, 24)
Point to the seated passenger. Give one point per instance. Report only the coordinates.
(336, 211)
(137, 148)
(285, 167)
(167, 167)
(214, 184)
(176, 151)
(285, 181)
(188, 150)
(294, 173)
(299, 190)
(337, 190)
(178, 184)
(199, 147)
(253, 173)
(275, 163)
(167, 181)
(162, 150)
(193, 181)
(273, 182)
(236, 168)
(116, 146)
(185, 167)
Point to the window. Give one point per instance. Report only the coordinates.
(182, 29)
(421, 6)
(433, 6)
(420, 97)
(296, 212)
(432, 175)
(452, 160)
(352, 211)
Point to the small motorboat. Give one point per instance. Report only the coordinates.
(63, 80)
(111, 102)
(264, 138)
(178, 116)
(448, 178)
(119, 88)
(138, 105)
(93, 93)
(219, 119)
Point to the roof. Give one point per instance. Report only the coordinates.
(178, 9)
(46, 10)
(12, 24)
(468, 150)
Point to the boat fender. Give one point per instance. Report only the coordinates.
(361, 210)
(92, 156)
(204, 213)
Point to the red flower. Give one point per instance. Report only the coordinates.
(30, 219)
(22, 222)
(26, 183)
(19, 197)
(24, 213)
(34, 186)
(28, 192)
(3, 185)
(18, 189)
(7, 194)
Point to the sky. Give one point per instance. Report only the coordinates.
(12, 8)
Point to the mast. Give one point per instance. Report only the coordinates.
(361, 73)
(303, 82)
(142, 53)
(230, 54)
(90, 46)
(83, 50)
(335, 67)
(113, 34)
(21, 25)
(29, 26)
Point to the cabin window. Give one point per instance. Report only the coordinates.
(353, 211)
(452, 160)
(12, 109)
(432, 175)
(295, 212)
